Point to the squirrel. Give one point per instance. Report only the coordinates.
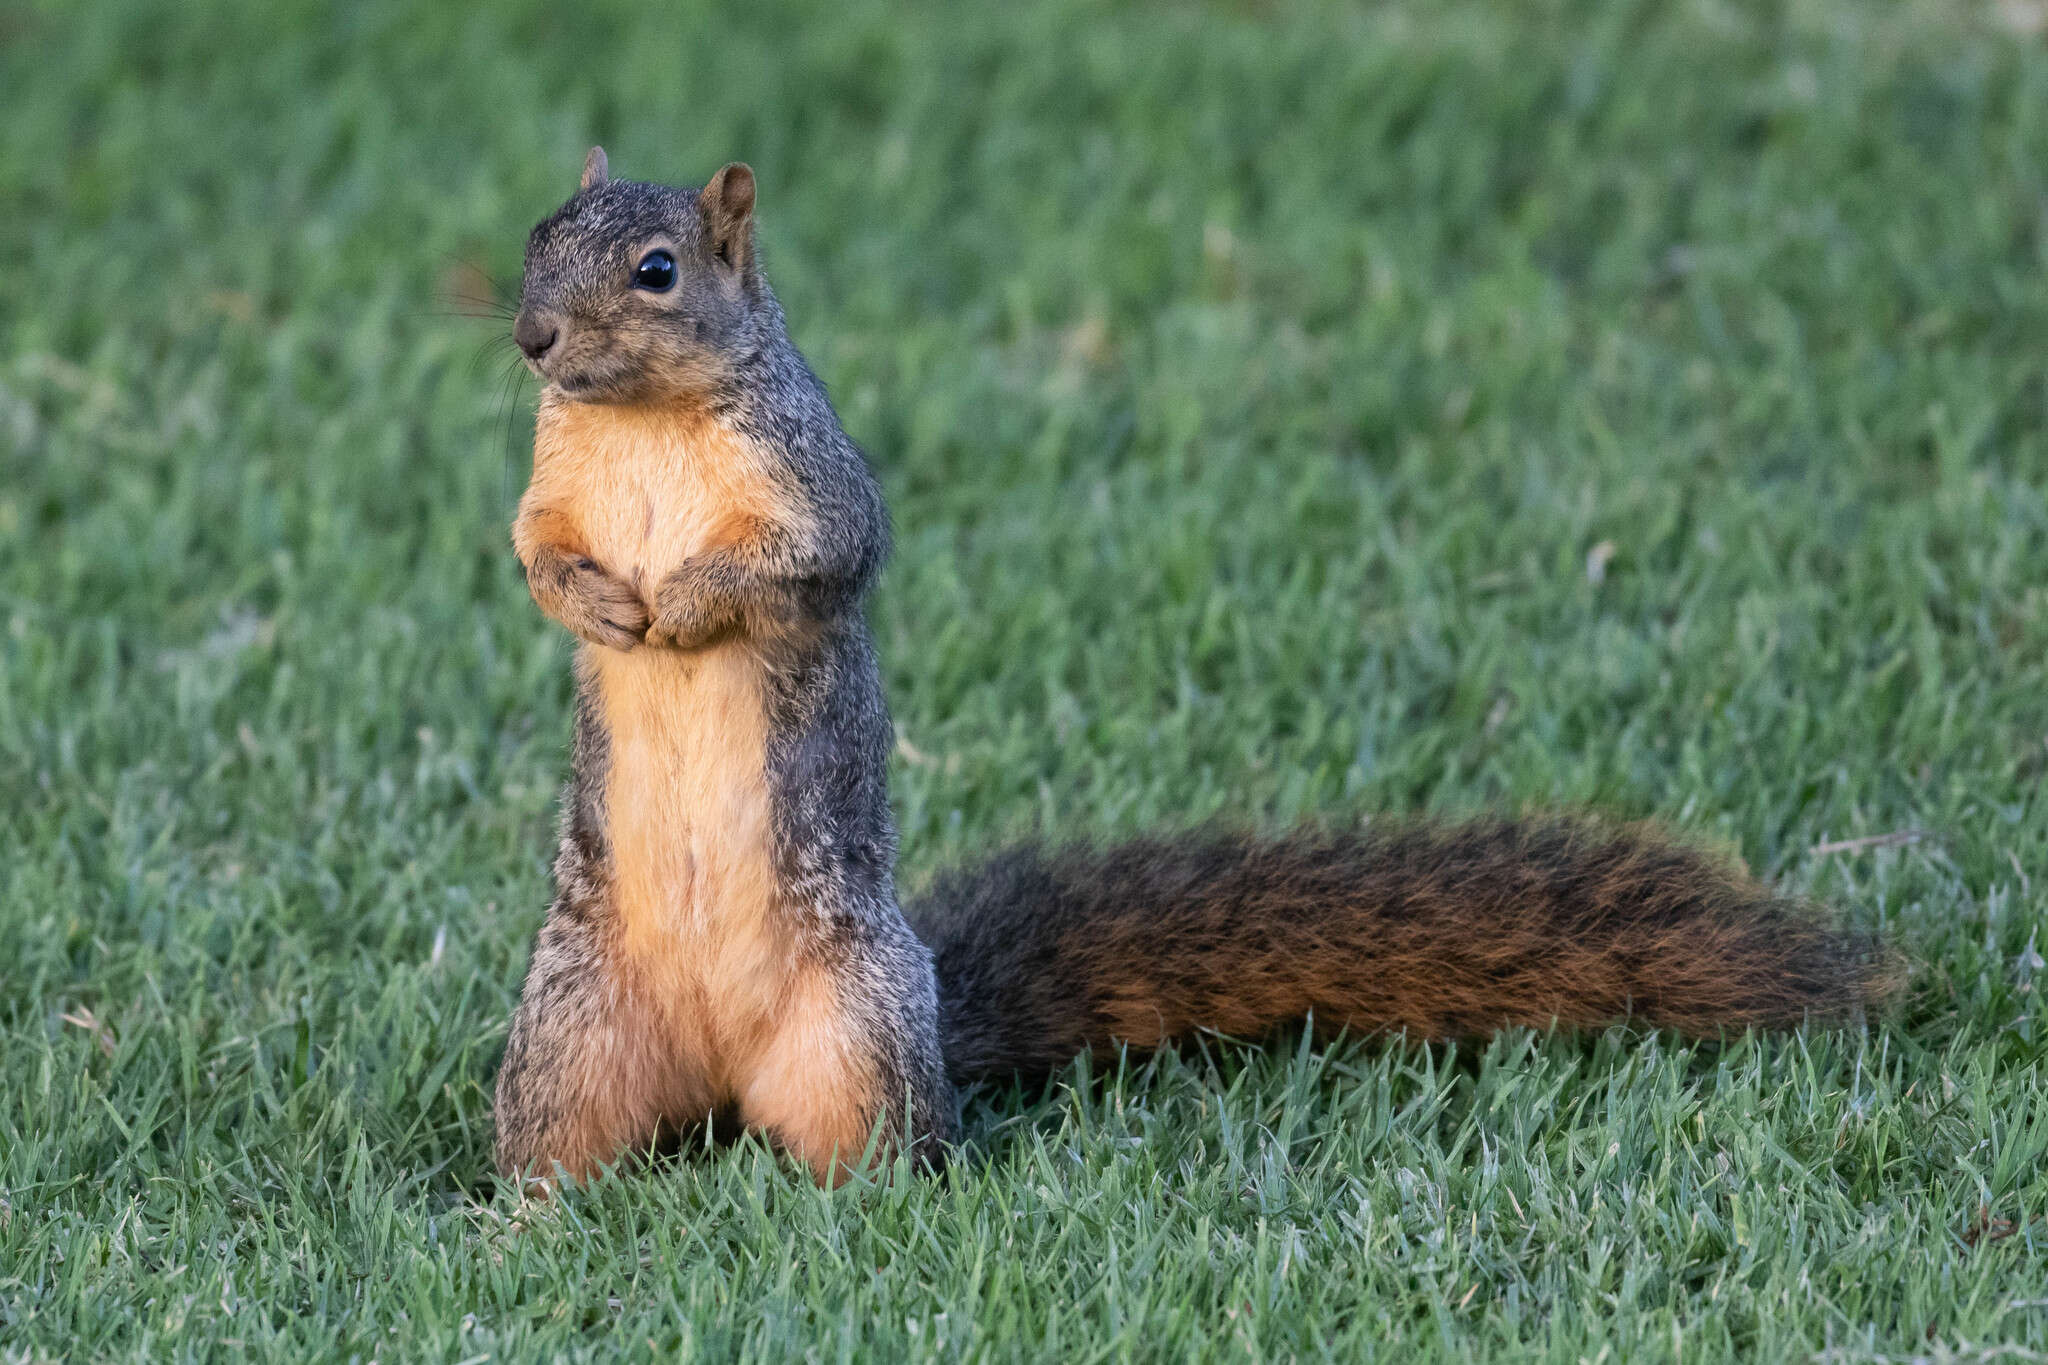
(725, 941)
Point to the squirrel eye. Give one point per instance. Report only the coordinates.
(656, 272)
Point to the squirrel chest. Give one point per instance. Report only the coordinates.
(685, 783)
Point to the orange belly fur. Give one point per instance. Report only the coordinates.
(640, 491)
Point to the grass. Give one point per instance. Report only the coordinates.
(1285, 408)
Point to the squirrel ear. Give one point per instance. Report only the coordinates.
(595, 170)
(728, 205)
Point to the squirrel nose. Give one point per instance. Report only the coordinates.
(535, 335)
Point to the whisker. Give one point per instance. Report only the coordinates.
(474, 290)
(456, 314)
(491, 348)
(512, 388)
(495, 308)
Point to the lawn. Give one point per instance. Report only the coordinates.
(1285, 408)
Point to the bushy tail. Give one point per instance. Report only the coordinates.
(1441, 931)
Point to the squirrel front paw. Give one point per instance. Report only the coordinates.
(595, 605)
(690, 609)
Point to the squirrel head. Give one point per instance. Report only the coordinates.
(639, 293)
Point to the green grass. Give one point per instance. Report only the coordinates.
(1253, 385)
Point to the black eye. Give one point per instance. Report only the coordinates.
(656, 272)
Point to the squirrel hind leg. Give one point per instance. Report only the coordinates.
(852, 1078)
(586, 1076)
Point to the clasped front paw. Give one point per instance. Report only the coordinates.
(598, 607)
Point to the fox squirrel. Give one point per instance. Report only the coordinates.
(725, 942)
